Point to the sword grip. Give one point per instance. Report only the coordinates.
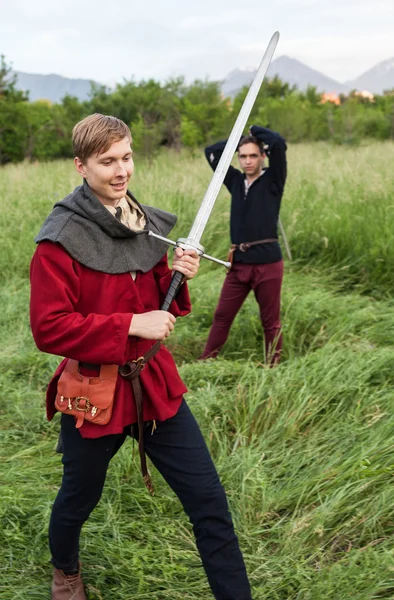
(175, 284)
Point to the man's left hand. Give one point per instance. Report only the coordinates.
(186, 262)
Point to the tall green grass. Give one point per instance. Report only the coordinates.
(338, 207)
(305, 450)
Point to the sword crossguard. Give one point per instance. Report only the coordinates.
(190, 244)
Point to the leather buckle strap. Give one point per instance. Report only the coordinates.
(244, 246)
(131, 371)
(133, 368)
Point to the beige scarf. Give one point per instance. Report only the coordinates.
(131, 215)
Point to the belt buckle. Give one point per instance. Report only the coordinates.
(77, 401)
(140, 362)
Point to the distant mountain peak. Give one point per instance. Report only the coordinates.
(377, 79)
(285, 58)
(52, 87)
(384, 66)
(294, 72)
(289, 70)
(239, 70)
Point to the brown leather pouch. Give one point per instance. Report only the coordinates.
(89, 398)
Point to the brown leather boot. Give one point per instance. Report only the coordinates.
(67, 587)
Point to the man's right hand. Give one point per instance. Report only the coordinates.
(154, 325)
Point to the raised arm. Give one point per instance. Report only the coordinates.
(276, 152)
(213, 154)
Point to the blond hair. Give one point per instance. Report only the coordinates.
(96, 134)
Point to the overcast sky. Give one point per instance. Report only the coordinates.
(115, 39)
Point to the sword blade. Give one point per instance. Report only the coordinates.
(220, 172)
(285, 240)
(193, 240)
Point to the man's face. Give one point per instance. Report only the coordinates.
(108, 174)
(250, 159)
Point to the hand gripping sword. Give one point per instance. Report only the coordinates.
(192, 242)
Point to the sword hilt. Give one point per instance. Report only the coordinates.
(178, 278)
(175, 284)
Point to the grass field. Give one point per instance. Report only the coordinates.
(305, 450)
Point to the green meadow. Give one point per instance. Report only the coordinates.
(305, 450)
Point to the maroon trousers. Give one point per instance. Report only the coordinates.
(266, 282)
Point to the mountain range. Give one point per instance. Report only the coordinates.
(290, 70)
(52, 87)
(375, 80)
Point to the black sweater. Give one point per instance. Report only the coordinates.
(255, 217)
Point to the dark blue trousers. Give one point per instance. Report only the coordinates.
(178, 450)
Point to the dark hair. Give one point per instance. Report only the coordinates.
(251, 139)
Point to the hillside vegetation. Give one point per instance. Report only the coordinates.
(305, 450)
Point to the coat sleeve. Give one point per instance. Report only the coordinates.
(276, 152)
(56, 325)
(181, 306)
(213, 154)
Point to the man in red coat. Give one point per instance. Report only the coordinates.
(97, 284)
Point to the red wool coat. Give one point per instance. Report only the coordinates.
(84, 314)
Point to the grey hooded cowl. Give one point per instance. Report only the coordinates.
(95, 238)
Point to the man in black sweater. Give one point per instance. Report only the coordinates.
(256, 195)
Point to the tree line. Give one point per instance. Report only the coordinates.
(175, 115)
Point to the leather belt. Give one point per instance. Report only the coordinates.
(244, 246)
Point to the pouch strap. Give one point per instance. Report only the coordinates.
(131, 371)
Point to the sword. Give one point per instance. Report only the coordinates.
(192, 242)
(285, 240)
